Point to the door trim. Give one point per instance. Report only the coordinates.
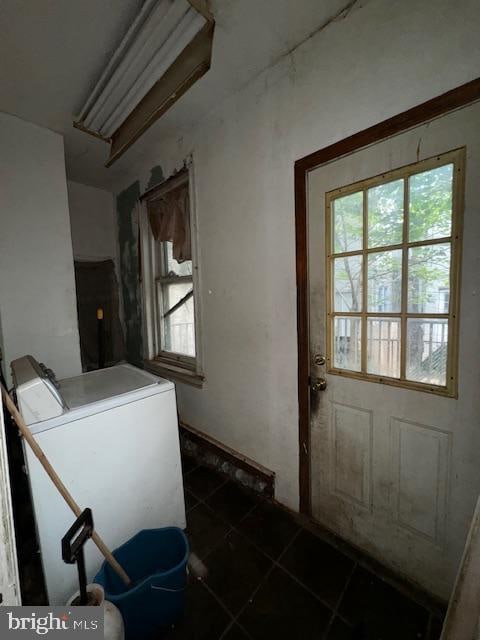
(454, 99)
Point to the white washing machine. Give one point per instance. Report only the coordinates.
(112, 437)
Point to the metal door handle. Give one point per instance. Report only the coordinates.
(318, 384)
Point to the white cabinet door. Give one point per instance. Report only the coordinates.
(394, 470)
(9, 582)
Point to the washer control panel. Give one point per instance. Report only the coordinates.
(37, 389)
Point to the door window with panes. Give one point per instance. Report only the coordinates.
(392, 271)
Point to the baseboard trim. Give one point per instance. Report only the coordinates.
(227, 454)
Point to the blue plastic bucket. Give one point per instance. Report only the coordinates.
(156, 561)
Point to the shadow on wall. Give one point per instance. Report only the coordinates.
(97, 287)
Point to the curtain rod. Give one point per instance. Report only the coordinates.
(167, 185)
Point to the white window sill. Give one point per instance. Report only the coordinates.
(175, 373)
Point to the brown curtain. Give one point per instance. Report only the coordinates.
(169, 215)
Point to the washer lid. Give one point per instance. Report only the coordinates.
(96, 386)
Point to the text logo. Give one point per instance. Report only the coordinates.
(32, 622)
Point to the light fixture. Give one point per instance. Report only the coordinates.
(167, 48)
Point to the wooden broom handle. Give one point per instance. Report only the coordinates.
(37, 450)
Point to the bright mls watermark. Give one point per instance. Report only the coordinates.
(59, 622)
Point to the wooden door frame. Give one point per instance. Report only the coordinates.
(456, 98)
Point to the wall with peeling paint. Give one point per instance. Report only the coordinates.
(381, 59)
(128, 231)
(130, 275)
(37, 286)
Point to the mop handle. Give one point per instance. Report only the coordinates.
(37, 450)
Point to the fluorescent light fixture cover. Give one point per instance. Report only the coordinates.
(159, 34)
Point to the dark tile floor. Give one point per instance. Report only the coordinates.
(269, 577)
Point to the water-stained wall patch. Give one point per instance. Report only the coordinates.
(129, 266)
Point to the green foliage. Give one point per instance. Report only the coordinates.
(430, 206)
(385, 214)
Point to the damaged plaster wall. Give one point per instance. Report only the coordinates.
(130, 275)
(128, 234)
(371, 64)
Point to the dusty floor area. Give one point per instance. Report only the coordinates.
(270, 577)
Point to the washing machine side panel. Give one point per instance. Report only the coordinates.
(125, 465)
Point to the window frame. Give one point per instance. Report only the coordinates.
(162, 278)
(177, 366)
(450, 389)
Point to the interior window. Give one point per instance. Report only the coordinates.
(393, 253)
(170, 279)
(175, 302)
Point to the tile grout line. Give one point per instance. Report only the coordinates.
(335, 613)
(288, 545)
(240, 626)
(227, 629)
(262, 581)
(234, 620)
(216, 545)
(185, 473)
(323, 602)
(276, 563)
(225, 480)
(220, 602)
(245, 515)
(370, 566)
(425, 601)
(253, 543)
(252, 596)
(353, 554)
(202, 501)
(357, 560)
(230, 526)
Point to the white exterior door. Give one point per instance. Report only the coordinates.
(9, 582)
(395, 470)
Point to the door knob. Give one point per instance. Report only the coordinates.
(318, 384)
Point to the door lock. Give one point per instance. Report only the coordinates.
(319, 360)
(318, 384)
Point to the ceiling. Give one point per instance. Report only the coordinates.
(52, 52)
